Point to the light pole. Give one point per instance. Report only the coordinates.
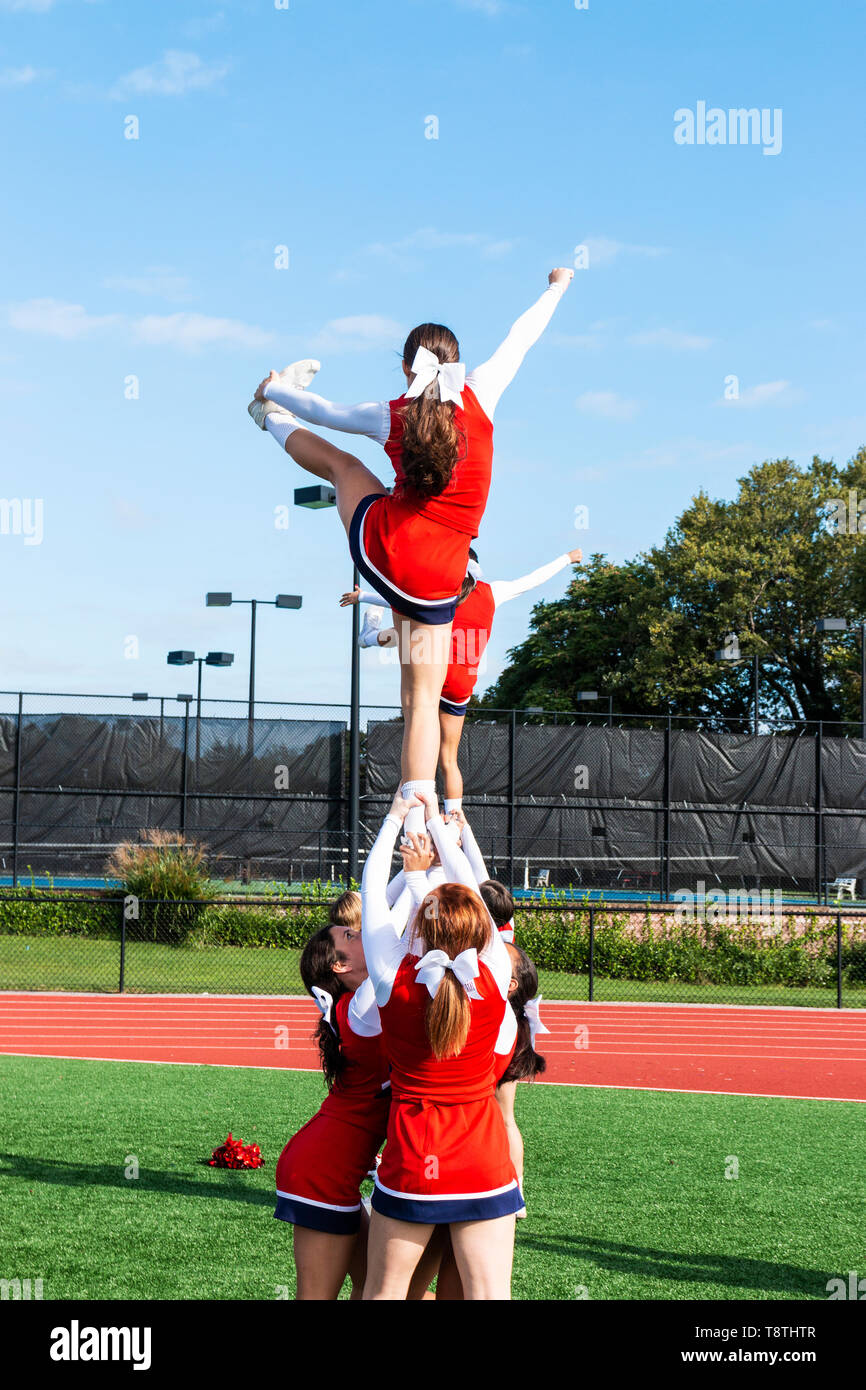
(731, 653)
(224, 600)
(315, 498)
(594, 695)
(184, 658)
(823, 625)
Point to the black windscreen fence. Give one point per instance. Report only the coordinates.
(553, 804)
(654, 810)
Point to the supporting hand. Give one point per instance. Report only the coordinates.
(353, 597)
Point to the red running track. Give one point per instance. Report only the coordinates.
(810, 1053)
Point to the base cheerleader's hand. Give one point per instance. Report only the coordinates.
(401, 806)
(417, 853)
(353, 597)
(431, 804)
(260, 389)
(575, 556)
(561, 276)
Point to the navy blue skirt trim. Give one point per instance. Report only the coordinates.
(444, 1210)
(450, 708)
(434, 614)
(317, 1218)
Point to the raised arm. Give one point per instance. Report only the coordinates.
(384, 947)
(473, 854)
(490, 379)
(457, 870)
(505, 589)
(372, 418)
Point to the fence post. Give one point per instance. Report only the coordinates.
(591, 954)
(16, 805)
(184, 772)
(838, 960)
(820, 895)
(666, 849)
(121, 983)
(512, 732)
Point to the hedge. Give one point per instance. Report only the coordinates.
(659, 947)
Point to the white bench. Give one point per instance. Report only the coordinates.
(843, 885)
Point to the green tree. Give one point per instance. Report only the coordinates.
(763, 566)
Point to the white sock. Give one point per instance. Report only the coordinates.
(369, 634)
(414, 822)
(453, 803)
(281, 426)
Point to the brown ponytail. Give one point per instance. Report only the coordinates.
(432, 442)
(318, 959)
(451, 919)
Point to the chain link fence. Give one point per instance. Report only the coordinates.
(713, 951)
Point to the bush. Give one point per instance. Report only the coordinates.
(163, 865)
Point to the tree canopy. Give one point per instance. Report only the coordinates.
(789, 548)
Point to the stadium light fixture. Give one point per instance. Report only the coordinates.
(140, 695)
(225, 600)
(315, 497)
(180, 658)
(823, 625)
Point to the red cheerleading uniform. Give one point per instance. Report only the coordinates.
(414, 550)
(320, 1171)
(470, 634)
(446, 1157)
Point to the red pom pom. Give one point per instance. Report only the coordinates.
(234, 1153)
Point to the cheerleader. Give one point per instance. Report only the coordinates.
(524, 1063)
(412, 545)
(320, 1170)
(446, 1159)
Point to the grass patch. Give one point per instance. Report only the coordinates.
(626, 1190)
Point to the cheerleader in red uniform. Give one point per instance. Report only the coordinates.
(412, 544)
(446, 1159)
(320, 1170)
(470, 633)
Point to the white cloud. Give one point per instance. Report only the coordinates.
(488, 7)
(54, 319)
(606, 404)
(403, 252)
(574, 340)
(33, 6)
(173, 75)
(160, 281)
(359, 333)
(191, 332)
(188, 331)
(670, 338)
(604, 251)
(765, 393)
(22, 77)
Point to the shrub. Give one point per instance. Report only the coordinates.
(162, 865)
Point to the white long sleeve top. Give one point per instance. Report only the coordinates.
(488, 382)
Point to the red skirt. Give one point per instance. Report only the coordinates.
(446, 1163)
(416, 564)
(320, 1171)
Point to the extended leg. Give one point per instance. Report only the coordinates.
(450, 733)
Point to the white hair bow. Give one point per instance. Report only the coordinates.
(473, 568)
(451, 376)
(325, 1002)
(531, 1011)
(430, 970)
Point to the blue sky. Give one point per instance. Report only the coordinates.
(305, 128)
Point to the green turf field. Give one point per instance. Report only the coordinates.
(626, 1189)
(85, 964)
